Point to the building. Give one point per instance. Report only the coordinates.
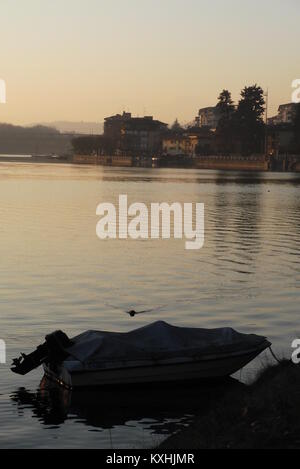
(208, 117)
(113, 125)
(286, 114)
(180, 145)
(205, 138)
(272, 121)
(193, 141)
(280, 139)
(135, 135)
(173, 145)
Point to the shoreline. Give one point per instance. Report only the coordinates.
(69, 160)
(33, 159)
(262, 415)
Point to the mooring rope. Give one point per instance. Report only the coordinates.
(273, 355)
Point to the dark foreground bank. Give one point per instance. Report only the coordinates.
(265, 414)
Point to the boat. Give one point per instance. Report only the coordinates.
(156, 353)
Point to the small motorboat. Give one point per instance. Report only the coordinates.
(157, 353)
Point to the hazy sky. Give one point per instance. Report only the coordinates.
(86, 59)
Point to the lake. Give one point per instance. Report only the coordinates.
(57, 274)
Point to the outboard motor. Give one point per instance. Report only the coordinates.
(53, 350)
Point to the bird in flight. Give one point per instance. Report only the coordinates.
(133, 312)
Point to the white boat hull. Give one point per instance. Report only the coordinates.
(193, 370)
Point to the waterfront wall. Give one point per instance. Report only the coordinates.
(285, 163)
(105, 160)
(232, 162)
(214, 162)
(296, 167)
(293, 163)
(238, 163)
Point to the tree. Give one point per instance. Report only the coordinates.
(225, 108)
(249, 124)
(225, 105)
(93, 144)
(176, 127)
(252, 104)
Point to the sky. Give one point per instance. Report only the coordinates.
(83, 60)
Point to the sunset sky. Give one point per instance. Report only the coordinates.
(82, 60)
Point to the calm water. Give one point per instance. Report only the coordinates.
(55, 273)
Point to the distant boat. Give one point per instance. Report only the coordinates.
(157, 353)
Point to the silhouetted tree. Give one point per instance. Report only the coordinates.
(225, 105)
(249, 124)
(225, 128)
(38, 139)
(93, 144)
(176, 127)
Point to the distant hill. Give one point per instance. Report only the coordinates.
(76, 127)
(35, 140)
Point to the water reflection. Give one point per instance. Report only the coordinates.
(196, 176)
(163, 410)
(56, 274)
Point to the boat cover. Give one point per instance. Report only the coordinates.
(156, 343)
